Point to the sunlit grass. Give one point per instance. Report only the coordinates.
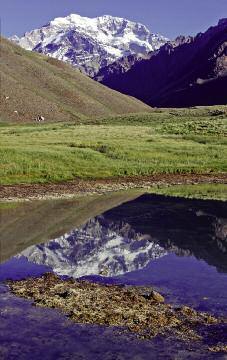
(198, 191)
(148, 145)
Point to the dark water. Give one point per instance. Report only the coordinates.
(177, 246)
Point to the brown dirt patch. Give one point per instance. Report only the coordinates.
(66, 189)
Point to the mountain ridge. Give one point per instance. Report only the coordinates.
(91, 43)
(188, 71)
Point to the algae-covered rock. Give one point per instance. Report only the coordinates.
(140, 310)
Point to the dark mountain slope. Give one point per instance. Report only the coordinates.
(188, 71)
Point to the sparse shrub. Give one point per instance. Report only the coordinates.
(217, 112)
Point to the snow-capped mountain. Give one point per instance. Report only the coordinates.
(99, 247)
(91, 44)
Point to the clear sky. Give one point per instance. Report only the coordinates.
(168, 17)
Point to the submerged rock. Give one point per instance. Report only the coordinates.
(219, 348)
(141, 312)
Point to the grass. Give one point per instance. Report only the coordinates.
(198, 191)
(8, 206)
(165, 141)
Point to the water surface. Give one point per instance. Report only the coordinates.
(178, 246)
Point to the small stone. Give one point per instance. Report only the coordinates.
(155, 296)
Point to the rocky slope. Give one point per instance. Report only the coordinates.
(186, 72)
(89, 43)
(34, 84)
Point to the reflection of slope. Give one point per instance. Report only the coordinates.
(99, 247)
(20, 225)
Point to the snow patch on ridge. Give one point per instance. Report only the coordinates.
(91, 43)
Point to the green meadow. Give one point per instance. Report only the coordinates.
(165, 141)
(197, 191)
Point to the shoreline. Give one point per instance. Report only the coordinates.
(79, 187)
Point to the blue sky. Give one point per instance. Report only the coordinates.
(168, 17)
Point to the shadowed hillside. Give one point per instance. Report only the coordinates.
(190, 71)
(33, 84)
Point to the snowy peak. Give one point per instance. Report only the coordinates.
(91, 43)
(110, 25)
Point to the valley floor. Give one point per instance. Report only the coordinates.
(164, 147)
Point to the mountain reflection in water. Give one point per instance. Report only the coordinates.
(99, 247)
(127, 237)
(176, 246)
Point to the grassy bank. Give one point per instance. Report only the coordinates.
(177, 141)
(199, 191)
